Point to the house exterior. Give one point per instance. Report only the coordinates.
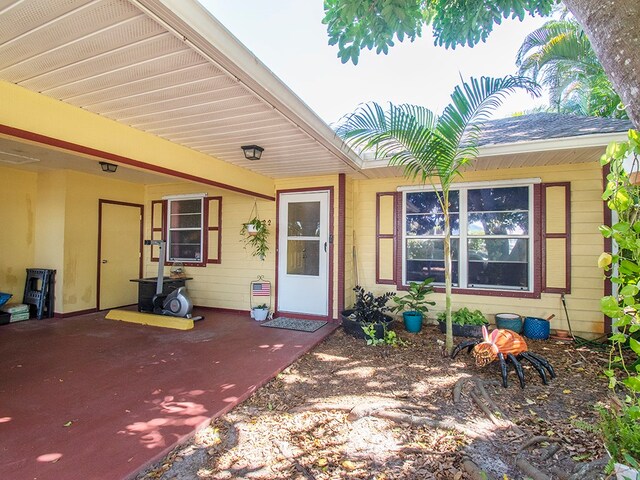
(160, 89)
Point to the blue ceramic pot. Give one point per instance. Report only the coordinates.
(509, 321)
(412, 321)
(536, 328)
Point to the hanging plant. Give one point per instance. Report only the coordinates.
(255, 235)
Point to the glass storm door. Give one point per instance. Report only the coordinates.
(303, 258)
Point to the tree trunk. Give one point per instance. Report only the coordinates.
(613, 27)
(448, 345)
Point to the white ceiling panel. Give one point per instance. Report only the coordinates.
(93, 69)
(146, 78)
(85, 47)
(48, 38)
(219, 114)
(158, 66)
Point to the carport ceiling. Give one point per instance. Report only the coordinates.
(169, 69)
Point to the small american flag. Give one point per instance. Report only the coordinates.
(261, 289)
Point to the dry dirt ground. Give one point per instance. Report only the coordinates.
(348, 410)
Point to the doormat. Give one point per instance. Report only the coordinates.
(294, 324)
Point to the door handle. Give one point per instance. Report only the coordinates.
(325, 247)
(104, 261)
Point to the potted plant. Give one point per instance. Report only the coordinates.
(465, 323)
(255, 234)
(413, 305)
(260, 313)
(368, 310)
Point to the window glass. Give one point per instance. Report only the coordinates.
(419, 225)
(427, 202)
(498, 223)
(184, 242)
(491, 224)
(498, 199)
(425, 258)
(304, 219)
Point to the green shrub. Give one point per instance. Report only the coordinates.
(621, 434)
(464, 316)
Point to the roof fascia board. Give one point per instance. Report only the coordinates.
(532, 146)
(194, 24)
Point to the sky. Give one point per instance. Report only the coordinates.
(289, 38)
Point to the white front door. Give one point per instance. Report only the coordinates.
(303, 253)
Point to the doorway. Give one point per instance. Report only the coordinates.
(119, 253)
(304, 252)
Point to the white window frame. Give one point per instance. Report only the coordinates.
(178, 198)
(463, 189)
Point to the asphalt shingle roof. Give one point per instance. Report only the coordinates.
(544, 126)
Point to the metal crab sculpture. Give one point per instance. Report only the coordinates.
(505, 346)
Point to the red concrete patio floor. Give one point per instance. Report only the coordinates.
(89, 398)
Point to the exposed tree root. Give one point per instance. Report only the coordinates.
(530, 470)
(424, 421)
(287, 452)
(551, 451)
(388, 409)
(457, 389)
(488, 407)
(539, 439)
(559, 473)
(474, 472)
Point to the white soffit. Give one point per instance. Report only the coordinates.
(169, 68)
(535, 153)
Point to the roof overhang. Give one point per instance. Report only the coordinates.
(169, 69)
(556, 151)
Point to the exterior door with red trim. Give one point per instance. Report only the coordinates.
(303, 253)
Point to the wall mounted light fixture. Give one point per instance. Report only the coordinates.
(108, 167)
(252, 152)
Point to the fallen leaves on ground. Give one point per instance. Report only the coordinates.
(276, 435)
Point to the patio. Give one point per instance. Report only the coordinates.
(86, 397)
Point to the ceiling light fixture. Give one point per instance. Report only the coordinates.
(108, 167)
(252, 152)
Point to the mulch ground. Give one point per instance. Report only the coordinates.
(348, 410)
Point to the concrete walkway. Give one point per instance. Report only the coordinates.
(88, 398)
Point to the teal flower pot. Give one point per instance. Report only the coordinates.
(412, 321)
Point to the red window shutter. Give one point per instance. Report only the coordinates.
(556, 237)
(386, 237)
(213, 230)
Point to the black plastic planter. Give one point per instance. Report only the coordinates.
(354, 328)
(474, 331)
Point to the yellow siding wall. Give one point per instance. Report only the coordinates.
(18, 198)
(53, 219)
(81, 234)
(224, 285)
(586, 245)
(49, 227)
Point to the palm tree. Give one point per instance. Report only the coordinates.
(431, 147)
(559, 55)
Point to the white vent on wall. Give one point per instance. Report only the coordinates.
(16, 158)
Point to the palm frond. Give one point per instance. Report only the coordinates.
(422, 143)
